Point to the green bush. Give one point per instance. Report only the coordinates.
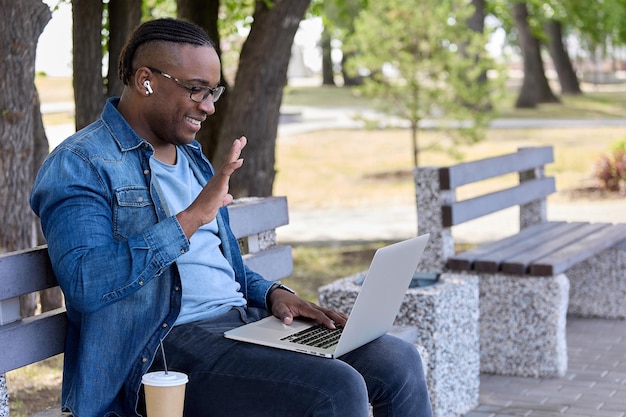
(611, 169)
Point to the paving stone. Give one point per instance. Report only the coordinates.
(594, 385)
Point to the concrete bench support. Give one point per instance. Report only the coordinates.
(598, 285)
(522, 325)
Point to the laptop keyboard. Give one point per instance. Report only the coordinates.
(318, 336)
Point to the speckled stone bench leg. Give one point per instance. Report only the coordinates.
(444, 320)
(598, 286)
(522, 325)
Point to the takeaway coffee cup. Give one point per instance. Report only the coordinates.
(165, 393)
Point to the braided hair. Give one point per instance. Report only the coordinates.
(166, 29)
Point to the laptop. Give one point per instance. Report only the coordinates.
(372, 315)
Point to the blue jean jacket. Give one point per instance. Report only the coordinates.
(114, 250)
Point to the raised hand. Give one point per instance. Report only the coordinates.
(215, 193)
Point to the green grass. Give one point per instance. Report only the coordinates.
(593, 104)
(324, 96)
(35, 387)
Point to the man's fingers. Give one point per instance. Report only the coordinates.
(229, 168)
(228, 198)
(236, 148)
(234, 161)
(283, 313)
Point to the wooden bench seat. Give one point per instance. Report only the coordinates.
(562, 259)
(525, 278)
(33, 339)
(548, 248)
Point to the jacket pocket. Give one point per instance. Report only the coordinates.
(133, 211)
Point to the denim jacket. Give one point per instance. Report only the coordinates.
(114, 250)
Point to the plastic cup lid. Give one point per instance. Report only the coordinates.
(160, 379)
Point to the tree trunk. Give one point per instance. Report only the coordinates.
(124, 16)
(560, 58)
(415, 142)
(477, 23)
(87, 67)
(255, 100)
(328, 73)
(17, 98)
(349, 79)
(21, 24)
(204, 13)
(535, 88)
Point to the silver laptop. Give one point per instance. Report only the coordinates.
(372, 315)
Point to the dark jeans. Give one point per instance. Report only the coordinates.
(230, 378)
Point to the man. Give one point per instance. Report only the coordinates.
(141, 245)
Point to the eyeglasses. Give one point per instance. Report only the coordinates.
(197, 93)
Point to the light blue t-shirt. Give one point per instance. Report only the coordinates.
(208, 280)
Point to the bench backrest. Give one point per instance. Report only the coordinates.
(439, 209)
(30, 340)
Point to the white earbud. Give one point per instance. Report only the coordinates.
(148, 87)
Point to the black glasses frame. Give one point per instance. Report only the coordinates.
(194, 89)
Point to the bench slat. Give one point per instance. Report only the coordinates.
(472, 208)
(469, 172)
(274, 263)
(592, 244)
(256, 215)
(520, 263)
(522, 244)
(32, 339)
(464, 261)
(26, 271)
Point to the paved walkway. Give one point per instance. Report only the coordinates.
(594, 386)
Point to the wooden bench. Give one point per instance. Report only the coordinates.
(525, 278)
(30, 340)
